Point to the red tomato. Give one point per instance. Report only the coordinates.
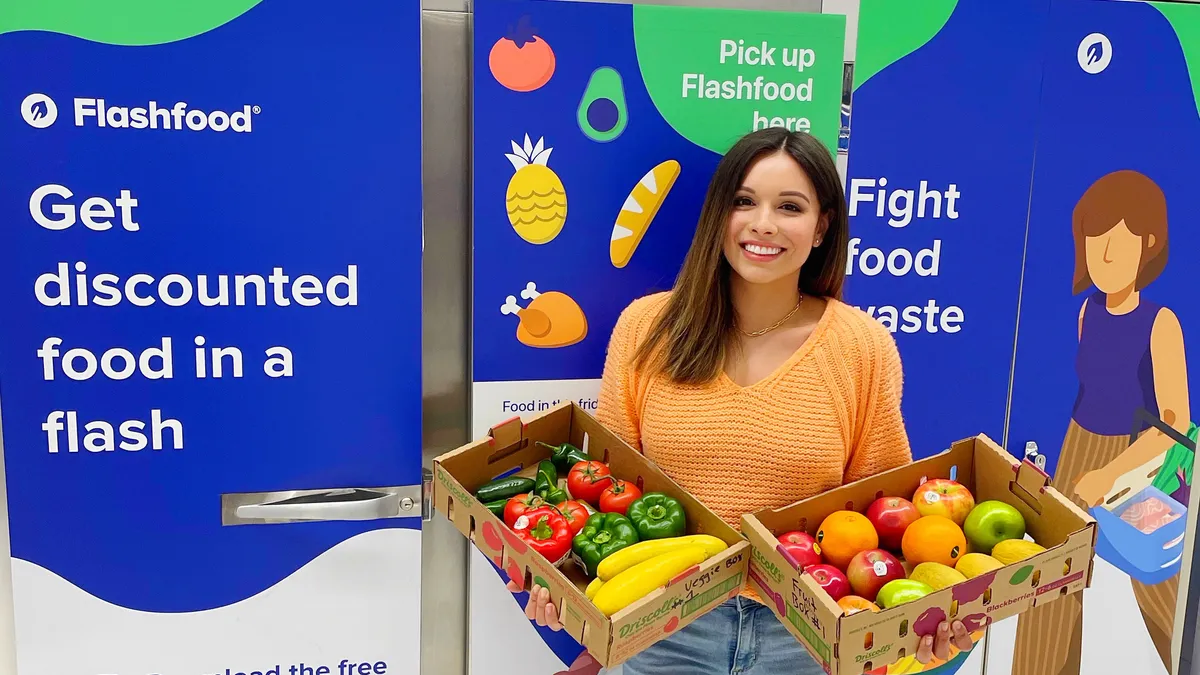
(587, 480)
(517, 506)
(522, 61)
(576, 515)
(617, 497)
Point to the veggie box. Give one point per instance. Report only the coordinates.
(512, 447)
(866, 641)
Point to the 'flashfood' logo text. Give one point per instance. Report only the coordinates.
(40, 112)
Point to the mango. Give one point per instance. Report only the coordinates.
(1010, 551)
(974, 564)
(937, 575)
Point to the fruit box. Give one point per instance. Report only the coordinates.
(511, 448)
(868, 641)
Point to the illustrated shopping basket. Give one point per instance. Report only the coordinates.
(1142, 521)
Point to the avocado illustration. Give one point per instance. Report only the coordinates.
(602, 114)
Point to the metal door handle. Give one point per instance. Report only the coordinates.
(287, 506)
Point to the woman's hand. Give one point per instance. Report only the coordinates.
(939, 644)
(539, 608)
(1093, 486)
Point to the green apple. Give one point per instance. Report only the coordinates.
(900, 591)
(992, 522)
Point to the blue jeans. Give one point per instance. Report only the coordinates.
(740, 637)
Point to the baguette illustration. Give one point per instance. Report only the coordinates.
(639, 210)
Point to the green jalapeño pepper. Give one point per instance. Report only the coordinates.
(547, 479)
(657, 516)
(565, 456)
(602, 535)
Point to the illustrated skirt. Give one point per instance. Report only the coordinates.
(1050, 637)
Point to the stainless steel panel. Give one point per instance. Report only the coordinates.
(291, 506)
(446, 312)
(446, 5)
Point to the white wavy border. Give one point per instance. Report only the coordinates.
(359, 601)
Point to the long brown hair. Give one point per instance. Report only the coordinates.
(1122, 195)
(689, 339)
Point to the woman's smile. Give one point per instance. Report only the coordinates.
(761, 252)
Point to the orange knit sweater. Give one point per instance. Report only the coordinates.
(828, 415)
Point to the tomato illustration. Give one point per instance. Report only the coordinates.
(522, 61)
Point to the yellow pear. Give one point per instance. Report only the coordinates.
(937, 575)
(974, 564)
(1010, 551)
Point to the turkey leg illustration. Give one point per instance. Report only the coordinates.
(550, 320)
(639, 210)
(536, 200)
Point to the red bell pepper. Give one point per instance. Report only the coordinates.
(546, 531)
(519, 505)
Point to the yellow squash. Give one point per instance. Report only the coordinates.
(591, 589)
(642, 551)
(643, 578)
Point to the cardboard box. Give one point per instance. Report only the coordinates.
(866, 641)
(510, 448)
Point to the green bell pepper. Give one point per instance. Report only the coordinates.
(657, 516)
(565, 456)
(603, 535)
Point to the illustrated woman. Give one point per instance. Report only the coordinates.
(752, 385)
(1130, 358)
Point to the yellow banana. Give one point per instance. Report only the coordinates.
(643, 578)
(642, 551)
(590, 592)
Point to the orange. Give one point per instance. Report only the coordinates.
(934, 539)
(843, 535)
(851, 604)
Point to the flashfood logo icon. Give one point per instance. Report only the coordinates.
(1094, 54)
(39, 111)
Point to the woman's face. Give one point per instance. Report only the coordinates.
(775, 221)
(1113, 258)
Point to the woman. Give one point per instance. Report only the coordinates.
(1130, 358)
(753, 368)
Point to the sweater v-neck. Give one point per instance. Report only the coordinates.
(803, 350)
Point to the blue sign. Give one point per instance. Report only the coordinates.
(938, 187)
(1107, 358)
(210, 274)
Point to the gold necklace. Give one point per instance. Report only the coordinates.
(775, 325)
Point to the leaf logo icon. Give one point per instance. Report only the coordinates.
(1094, 54)
(39, 111)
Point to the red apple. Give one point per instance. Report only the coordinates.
(942, 497)
(870, 570)
(801, 547)
(891, 516)
(831, 580)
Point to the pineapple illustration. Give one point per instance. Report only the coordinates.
(536, 200)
